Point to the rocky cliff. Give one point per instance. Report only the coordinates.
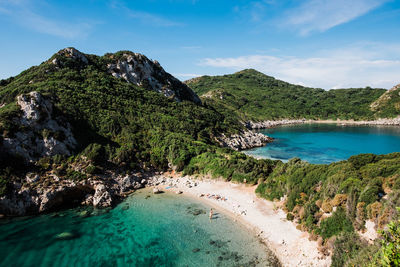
(40, 131)
(138, 69)
(47, 192)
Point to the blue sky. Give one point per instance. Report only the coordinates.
(319, 43)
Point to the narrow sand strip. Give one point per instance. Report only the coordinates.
(291, 246)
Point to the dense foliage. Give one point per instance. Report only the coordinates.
(255, 96)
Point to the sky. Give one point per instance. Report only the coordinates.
(317, 43)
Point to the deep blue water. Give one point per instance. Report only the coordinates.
(160, 230)
(326, 143)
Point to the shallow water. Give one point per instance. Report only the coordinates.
(160, 230)
(326, 143)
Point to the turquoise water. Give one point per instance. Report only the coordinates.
(326, 143)
(160, 230)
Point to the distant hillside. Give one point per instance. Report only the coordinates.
(388, 104)
(253, 95)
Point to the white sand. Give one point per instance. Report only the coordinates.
(291, 246)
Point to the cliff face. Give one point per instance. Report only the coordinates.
(138, 69)
(40, 131)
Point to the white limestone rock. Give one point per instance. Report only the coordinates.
(42, 134)
(141, 71)
(244, 140)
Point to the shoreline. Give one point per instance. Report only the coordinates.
(290, 245)
(272, 123)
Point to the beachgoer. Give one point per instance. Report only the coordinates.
(211, 213)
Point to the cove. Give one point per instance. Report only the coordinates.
(326, 143)
(144, 230)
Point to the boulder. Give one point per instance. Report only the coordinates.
(102, 198)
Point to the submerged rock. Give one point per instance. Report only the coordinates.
(66, 236)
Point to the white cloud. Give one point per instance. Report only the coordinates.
(21, 13)
(356, 66)
(321, 15)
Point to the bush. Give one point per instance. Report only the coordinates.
(390, 252)
(335, 224)
(361, 160)
(346, 246)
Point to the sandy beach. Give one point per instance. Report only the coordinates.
(291, 246)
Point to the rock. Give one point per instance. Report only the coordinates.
(179, 192)
(40, 132)
(195, 250)
(143, 181)
(269, 124)
(65, 236)
(84, 214)
(156, 191)
(70, 52)
(102, 198)
(138, 69)
(244, 140)
(32, 177)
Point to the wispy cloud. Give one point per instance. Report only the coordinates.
(357, 66)
(321, 15)
(144, 17)
(21, 13)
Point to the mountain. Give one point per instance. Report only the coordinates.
(252, 95)
(76, 117)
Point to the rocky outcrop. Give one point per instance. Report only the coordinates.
(270, 124)
(71, 53)
(40, 132)
(244, 140)
(139, 70)
(42, 194)
(383, 99)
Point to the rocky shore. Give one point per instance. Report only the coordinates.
(270, 123)
(244, 140)
(44, 194)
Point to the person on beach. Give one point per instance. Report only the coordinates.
(211, 213)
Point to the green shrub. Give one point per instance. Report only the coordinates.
(335, 224)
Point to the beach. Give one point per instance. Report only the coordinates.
(291, 246)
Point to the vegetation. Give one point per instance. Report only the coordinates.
(124, 126)
(252, 95)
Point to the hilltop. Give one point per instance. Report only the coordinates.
(252, 95)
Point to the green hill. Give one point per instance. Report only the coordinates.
(253, 95)
(76, 129)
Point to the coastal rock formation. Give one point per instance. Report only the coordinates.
(244, 140)
(40, 132)
(102, 197)
(269, 124)
(139, 70)
(42, 194)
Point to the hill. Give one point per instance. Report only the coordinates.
(252, 95)
(83, 129)
(77, 116)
